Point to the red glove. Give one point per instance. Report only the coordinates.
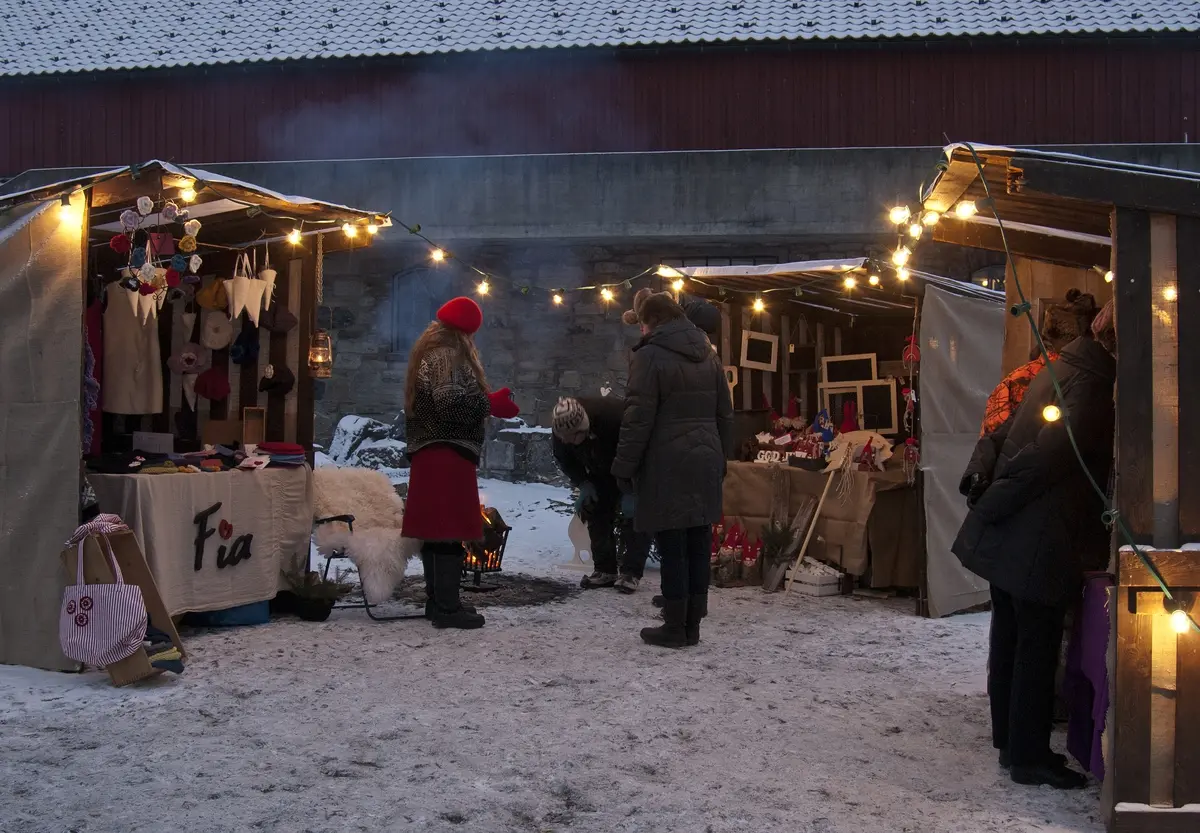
(502, 404)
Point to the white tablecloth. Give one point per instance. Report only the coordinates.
(274, 505)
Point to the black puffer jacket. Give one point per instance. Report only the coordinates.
(591, 460)
(1037, 527)
(677, 429)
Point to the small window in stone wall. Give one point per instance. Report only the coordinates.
(416, 295)
(744, 260)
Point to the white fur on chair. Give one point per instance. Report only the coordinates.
(377, 547)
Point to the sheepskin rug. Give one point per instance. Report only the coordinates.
(377, 547)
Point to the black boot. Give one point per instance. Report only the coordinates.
(657, 601)
(448, 611)
(697, 610)
(428, 562)
(1049, 775)
(671, 633)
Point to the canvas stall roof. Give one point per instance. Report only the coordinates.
(234, 213)
(822, 284)
(96, 35)
(1054, 206)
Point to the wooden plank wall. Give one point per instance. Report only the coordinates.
(1155, 721)
(1042, 280)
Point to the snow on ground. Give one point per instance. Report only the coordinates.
(832, 715)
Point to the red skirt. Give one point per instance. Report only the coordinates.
(443, 497)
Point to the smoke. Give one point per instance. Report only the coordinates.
(462, 106)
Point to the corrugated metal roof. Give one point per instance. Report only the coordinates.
(87, 35)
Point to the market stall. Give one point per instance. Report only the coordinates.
(160, 340)
(819, 350)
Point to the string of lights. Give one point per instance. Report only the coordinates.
(901, 216)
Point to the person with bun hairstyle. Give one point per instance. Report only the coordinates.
(447, 403)
(676, 435)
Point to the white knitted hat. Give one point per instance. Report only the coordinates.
(570, 419)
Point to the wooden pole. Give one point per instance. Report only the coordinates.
(812, 527)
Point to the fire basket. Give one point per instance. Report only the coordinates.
(487, 555)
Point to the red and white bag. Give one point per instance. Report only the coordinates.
(101, 624)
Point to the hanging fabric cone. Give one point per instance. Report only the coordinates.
(189, 324)
(267, 276)
(189, 389)
(236, 288)
(254, 299)
(130, 297)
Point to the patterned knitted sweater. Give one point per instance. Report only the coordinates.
(449, 406)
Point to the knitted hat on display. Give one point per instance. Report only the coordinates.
(277, 379)
(278, 318)
(245, 348)
(216, 331)
(461, 314)
(570, 419)
(213, 384)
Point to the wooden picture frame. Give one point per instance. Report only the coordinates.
(756, 341)
(866, 393)
(844, 370)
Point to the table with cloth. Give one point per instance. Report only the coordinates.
(881, 510)
(274, 505)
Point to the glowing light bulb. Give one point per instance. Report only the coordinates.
(759, 306)
(293, 236)
(372, 228)
(930, 218)
(1180, 621)
(349, 230)
(678, 285)
(914, 231)
(606, 294)
(437, 255)
(873, 280)
(1108, 276)
(899, 215)
(1170, 293)
(1051, 413)
(902, 274)
(665, 271)
(849, 283)
(900, 256)
(188, 193)
(965, 209)
(558, 299)
(67, 212)
(484, 288)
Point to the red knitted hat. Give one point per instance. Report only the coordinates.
(461, 314)
(213, 384)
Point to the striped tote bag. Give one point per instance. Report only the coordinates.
(101, 623)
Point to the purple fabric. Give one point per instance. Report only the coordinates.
(1085, 685)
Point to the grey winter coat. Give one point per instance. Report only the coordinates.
(677, 431)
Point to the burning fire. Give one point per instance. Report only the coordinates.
(486, 556)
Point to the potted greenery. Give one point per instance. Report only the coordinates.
(311, 597)
(776, 555)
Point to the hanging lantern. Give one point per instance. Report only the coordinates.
(320, 352)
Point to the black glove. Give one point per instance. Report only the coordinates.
(977, 485)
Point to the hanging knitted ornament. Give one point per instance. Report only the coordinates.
(187, 244)
(145, 205)
(120, 244)
(173, 278)
(169, 213)
(194, 263)
(130, 219)
(179, 263)
(147, 272)
(191, 228)
(137, 258)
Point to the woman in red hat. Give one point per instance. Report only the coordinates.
(447, 404)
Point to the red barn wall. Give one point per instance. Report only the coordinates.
(912, 94)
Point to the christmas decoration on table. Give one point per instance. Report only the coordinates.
(727, 569)
(853, 445)
(866, 458)
(849, 417)
(912, 460)
(823, 426)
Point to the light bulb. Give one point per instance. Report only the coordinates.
(1170, 293)
(66, 211)
(606, 294)
(188, 193)
(372, 228)
(914, 231)
(1108, 276)
(899, 215)
(930, 218)
(558, 299)
(965, 209)
(901, 255)
(349, 230)
(678, 285)
(902, 274)
(759, 306)
(665, 271)
(1180, 621)
(293, 236)
(849, 283)
(484, 288)
(873, 280)
(1051, 413)
(437, 255)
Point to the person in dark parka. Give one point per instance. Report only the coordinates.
(676, 436)
(586, 431)
(1032, 534)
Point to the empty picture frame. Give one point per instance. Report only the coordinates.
(875, 400)
(760, 351)
(857, 367)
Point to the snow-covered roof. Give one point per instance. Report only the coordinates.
(89, 35)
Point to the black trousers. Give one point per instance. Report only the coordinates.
(684, 558)
(1023, 655)
(606, 531)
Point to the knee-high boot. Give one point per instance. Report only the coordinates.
(429, 565)
(449, 612)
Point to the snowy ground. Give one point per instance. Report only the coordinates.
(832, 715)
